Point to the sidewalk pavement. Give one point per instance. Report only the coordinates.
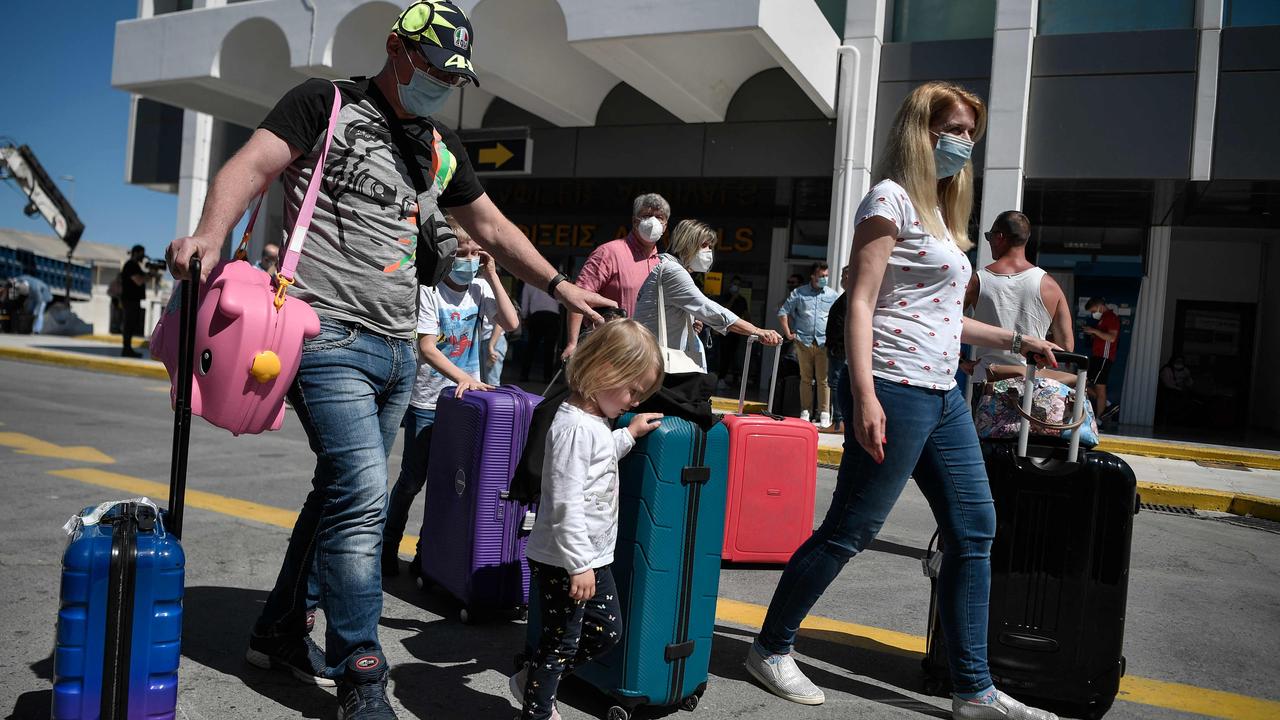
(1200, 476)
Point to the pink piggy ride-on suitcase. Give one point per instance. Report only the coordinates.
(249, 332)
(473, 538)
(773, 471)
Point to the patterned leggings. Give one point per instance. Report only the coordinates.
(572, 633)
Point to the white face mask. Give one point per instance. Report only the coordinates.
(650, 229)
(1097, 314)
(702, 261)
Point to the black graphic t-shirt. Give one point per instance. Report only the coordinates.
(358, 260)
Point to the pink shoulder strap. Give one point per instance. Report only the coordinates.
(302, 223)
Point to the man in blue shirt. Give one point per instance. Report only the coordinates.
(804, 321)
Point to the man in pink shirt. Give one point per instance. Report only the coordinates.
(619, 267)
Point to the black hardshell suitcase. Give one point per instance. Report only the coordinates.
(1059, 574)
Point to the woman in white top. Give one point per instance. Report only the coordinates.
(905, 415)
(691, 248)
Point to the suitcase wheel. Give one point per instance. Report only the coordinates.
(617, 712)
(690, 703)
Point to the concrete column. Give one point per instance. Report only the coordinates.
(855, 125)
(1141, 380)
(1209, 20)
(1007, 107)
(779, 248)
(193, 175)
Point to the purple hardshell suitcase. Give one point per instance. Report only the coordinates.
(473, 539)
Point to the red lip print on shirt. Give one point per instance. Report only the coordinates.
(911, 348)
(902, 303)
(946, 267)
(926, 367)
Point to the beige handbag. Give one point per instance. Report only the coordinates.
(674, 362)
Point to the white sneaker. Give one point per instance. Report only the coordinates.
(824, 420)
(1004, 708)
(780, 675)
(804, 415)
(516, 685)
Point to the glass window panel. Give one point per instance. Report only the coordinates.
(928, 20)
(1070, 17)
(1243, 13)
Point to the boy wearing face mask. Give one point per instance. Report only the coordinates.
(804, 320)
(619, 267)
(451, 319)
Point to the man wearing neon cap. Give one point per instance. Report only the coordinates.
(390, 170)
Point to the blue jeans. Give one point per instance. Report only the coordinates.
(491, 373)
(413, 474)
(835, 368)
(350, 394)
(931, 437)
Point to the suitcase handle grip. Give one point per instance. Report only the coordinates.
(1077, 408)
(187, 314)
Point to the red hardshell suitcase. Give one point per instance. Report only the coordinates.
(773, 470)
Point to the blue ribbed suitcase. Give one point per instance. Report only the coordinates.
(120, 615)
(667, 568)
(120, 621)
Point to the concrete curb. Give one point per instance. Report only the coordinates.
(730, 405)
(78, 361)
(140, 341)
(1187, 451)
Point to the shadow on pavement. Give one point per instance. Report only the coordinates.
(891, 667)
(32, 705)
(450, 653)
(215, 633)
(35, 705)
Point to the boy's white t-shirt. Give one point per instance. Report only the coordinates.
(455, 318)
(919, 311)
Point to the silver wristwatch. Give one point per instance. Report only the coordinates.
(1017, 343)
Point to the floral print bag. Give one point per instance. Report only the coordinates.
(999, 411)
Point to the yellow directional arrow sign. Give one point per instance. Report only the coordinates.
(509, 153)
(28, 445)
(495, 156)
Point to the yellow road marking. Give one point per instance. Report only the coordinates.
(1143, 691)
(222, 504)
(27, 445)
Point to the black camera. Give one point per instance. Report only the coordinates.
(157, 265)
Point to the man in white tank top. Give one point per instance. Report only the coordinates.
(1013, 293)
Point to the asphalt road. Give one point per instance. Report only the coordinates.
(1204, 602)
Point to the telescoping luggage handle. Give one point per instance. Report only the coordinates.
(190, 301)
(1077, 408)
(746, 367)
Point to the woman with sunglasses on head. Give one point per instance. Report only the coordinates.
(905, 415)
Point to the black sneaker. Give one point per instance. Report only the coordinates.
(298, 654)
(1112, 411)
(362, 690)
(130, 353)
